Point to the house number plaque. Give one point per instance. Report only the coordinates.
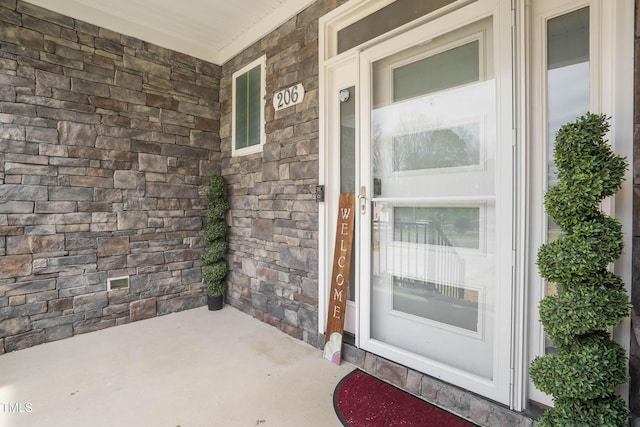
(288, 97)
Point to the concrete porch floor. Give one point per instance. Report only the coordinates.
(187, 369)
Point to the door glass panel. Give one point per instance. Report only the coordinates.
(348, 140)
(242, 115)
(254, 105)
(247, 99)
(435, 73)
(567, 92)
(347, 99)
(433, 143)
(448, 304)
(567, 80)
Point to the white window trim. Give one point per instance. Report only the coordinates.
(262, 61)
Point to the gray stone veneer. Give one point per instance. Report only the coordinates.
(634, 360)
(274, 215)
(106, 145)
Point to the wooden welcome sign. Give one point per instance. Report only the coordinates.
(340, 278)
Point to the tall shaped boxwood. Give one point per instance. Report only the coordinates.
(215, 237)
(588, 365)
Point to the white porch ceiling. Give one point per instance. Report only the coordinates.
(213, 30)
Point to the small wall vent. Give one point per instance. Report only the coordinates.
(115, 283)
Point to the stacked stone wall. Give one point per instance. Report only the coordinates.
(274, 215)
(106, 146)
(634, 359)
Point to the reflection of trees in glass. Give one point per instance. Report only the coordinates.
(377, 156)
(440, 148)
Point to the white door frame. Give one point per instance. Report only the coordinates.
(336, 74)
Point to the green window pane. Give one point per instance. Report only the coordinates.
(568, 95)
(241, 111)
(253, 107)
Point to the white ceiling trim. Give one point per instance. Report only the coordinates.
(213, 30)
(262, 28)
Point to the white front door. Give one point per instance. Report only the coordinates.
(436, 217)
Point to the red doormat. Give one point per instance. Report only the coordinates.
(361, 400)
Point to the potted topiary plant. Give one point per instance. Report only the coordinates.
(215, 237)
(588, 365)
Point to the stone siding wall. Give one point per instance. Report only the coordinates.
(634, 359)
(274, 216)
(106, 145)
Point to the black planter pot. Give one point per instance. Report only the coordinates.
(215, 303)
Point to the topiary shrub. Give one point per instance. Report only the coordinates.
(215, 234)
(588, 365)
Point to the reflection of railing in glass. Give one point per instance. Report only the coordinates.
(420, 231)
(426, 272)
(459, 225)
(440, 262)
(449, 266)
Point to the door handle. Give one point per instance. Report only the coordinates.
(362, 196)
